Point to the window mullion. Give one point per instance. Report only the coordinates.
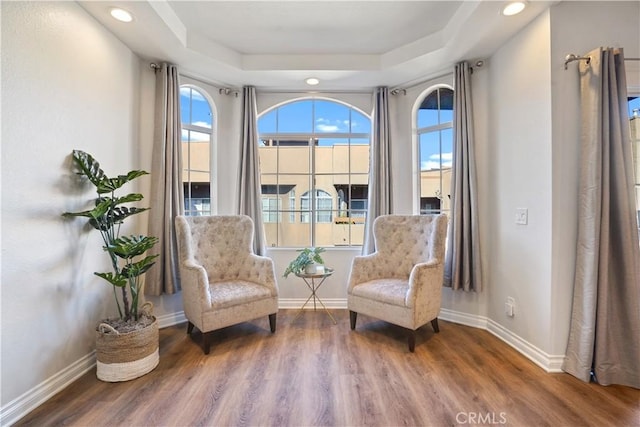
(312, 192)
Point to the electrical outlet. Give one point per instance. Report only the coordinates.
(522, 216)
(510, 306)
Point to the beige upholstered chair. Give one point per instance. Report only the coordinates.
(223, 281)
(401, 282)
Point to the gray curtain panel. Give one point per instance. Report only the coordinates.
(380, 195)
(462, 264)
(604, 337)
(166, 183)
(250, 197)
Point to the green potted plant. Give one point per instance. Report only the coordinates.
(127, 346)
(308, 257)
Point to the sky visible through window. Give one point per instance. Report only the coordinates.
(200, 109)
(435, 136)
(634, 104)
(330, 118)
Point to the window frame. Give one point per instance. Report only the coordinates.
(311, 137)
(633, 100)
(416, 133)
(213, 149)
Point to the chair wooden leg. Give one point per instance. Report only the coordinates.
(412, 340)
(434, 325)
(352, 319)
(189, 328)
(272, 322)
(206, 342)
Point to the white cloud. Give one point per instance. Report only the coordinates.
(202, 124)
(434, 161)
(327, 128)
(184, 91)
(326, 125)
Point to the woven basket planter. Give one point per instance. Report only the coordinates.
(123, 357)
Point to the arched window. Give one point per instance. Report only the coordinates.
(323, 206)
(434, 123)
(318, 149)
(634, 120)
(197, 139)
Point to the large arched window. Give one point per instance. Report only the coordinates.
(317, 149)
(197, 139)
(434, 123)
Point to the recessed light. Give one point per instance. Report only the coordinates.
(121, 15)
(312, 81)
(513, 8)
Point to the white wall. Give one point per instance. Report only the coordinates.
(66, 83)
(520, 177)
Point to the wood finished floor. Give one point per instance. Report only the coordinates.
(314, 373)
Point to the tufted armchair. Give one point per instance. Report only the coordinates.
(401, 282)
(223, 281)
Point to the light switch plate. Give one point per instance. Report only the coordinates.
(522, 216)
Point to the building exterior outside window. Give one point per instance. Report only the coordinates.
(197, 138)
(314, 157)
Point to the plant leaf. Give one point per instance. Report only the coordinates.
(89, 167)
(115, 279)
(109, 185)
(137, 268)
(127, 247)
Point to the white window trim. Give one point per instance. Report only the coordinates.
(415, 141)
(305, 136)
(213, 148)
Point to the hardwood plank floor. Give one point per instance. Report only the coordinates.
(314, 373)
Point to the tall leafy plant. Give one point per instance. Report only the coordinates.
(126, 252)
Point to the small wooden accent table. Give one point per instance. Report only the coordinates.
(313, 282)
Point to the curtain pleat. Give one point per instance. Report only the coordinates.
(166, 201)
(462, 263)
(379, 192)
(250, 194)
(604, 336)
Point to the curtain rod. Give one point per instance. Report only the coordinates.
(222, 88)
(402, 88)
(573, 57)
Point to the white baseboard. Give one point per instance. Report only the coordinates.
(31, 399)
(19, 407)
(461, 318)
(548, 362)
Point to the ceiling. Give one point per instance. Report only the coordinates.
(348, 45)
